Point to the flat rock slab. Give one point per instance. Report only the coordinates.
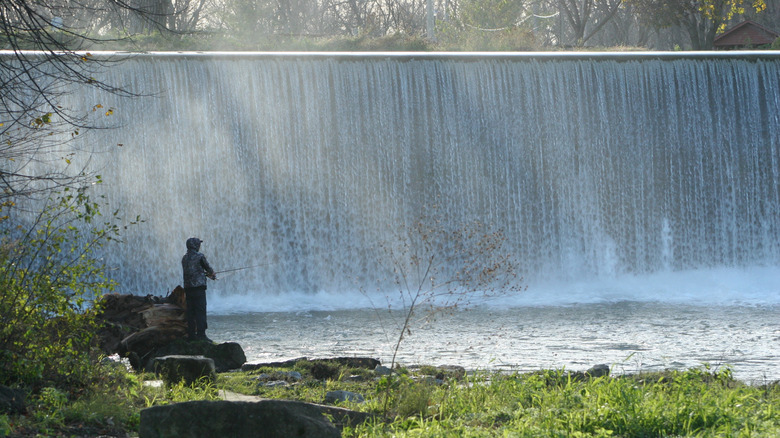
(234, 396)
(239, 419)
(226, 356)
(353, 362)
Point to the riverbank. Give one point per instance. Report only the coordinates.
(431, 401)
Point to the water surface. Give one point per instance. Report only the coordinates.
(629, 336)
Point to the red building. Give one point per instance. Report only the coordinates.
(745, 35)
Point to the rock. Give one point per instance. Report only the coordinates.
(352, 362)
(138, 324)
(342, 396)
(283, 364)
(598, 371)
(226, 356)
(429, 380)
(140, 345)
(191, 369)
(445, 372)
(324, 371)
(383, 370)
(594, 372)
(267, 418)
(355, 362)
(294, 375)
(145, 328)
(12, 401)
(275, 383)
(278, 378)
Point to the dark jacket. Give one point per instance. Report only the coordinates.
(194, 265)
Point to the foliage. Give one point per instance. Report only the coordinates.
(552, 404)
(466, 38)
(202, 390)
(5, 425)
(547, 403)
(722, 11)
(490, 14)
(48, 272)
(439, 269)
(701, 20)
(110, 404)
(371, 24)
(221, 41)
(41, 65)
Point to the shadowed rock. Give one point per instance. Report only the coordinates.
(351, 362)
(266, 418)
(190, 369)
(226, 356)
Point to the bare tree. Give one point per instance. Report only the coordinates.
(439, 269)
(39, 64)
(587, 17)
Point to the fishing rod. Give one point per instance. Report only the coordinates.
(244, 268)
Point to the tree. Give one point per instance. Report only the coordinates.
(39, 65)
(491, 14)
(701, 20)
(587, 17)
(48, 231)
(47, 272)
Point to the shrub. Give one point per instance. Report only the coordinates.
(48, 274)
(413, 400)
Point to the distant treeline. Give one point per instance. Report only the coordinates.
(457, 25)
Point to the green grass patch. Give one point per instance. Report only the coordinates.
(553, 403)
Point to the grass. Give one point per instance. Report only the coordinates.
(553, 403)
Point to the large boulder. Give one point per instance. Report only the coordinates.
(266, 418)
(141, 346)
(157, 319)
(226, 356)
(144, 328)
(190, 369)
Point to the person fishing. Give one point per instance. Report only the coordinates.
(196, 268)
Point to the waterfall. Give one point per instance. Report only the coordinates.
(594, 165)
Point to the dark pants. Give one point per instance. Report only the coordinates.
(196, 311)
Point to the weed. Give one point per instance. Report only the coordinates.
(5, 425)
(201, 390)
(549, 403)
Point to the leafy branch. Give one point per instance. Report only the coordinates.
(439, 269)
(49, 272)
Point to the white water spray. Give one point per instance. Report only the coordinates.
(308, 161)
